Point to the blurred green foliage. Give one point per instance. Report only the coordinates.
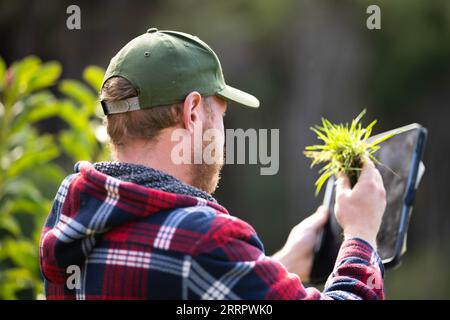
(29, 172)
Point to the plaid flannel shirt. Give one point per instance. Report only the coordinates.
(134, 242)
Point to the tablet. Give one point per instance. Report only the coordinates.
(402, 169)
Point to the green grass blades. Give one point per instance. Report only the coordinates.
(344, 149)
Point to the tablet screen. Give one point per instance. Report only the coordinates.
(395, 156)
(398, 157)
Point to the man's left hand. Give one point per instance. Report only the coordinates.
(298, 252)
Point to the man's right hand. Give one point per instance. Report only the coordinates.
(359, 211)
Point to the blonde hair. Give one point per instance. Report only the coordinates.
(144, 123)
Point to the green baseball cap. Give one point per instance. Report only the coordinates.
(164, 67)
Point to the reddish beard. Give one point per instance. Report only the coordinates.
(206, 176)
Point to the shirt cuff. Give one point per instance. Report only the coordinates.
(359, 248)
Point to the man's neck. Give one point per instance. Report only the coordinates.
(156, 155)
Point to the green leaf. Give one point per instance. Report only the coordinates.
(22, 189)
(317, 147)
(9, 224)
(94, 76)
(37, 107)
(22, 205)
(322, 179)
(41, 154)
(383, 138)
(2, 72)
(80, 93)
(320, 134)
(79, 123)
(14, 280)
(72, 145)
(21, 252)
(24, 71)
(359, 117)
(29, 75)
(46, 76)
(71, 114)
(16, 83)
(43, 112)
(48, 174)
(368, 129)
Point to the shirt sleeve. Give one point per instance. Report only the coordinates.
(229, 263)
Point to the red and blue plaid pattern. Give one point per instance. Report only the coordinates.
(134, 242)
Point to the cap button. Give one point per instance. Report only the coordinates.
(152, 30)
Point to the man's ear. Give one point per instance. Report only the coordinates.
(191, 110)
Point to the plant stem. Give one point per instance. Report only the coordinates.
(353, 174)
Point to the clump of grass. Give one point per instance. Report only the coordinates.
(344, 149)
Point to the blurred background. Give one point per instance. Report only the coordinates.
(303, 59)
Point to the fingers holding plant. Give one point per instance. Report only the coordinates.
(359, 210)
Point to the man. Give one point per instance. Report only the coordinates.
(145, 227)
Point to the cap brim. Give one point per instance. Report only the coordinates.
(241, 97)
